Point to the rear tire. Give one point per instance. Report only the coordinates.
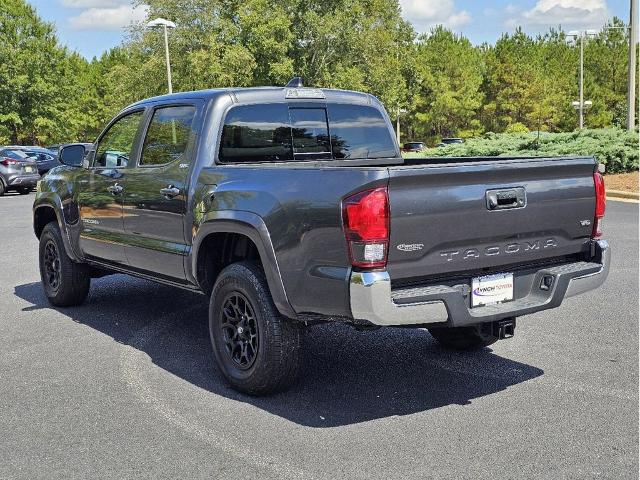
(256, 348)
(66, 283)
(464, 338)
(2, 188)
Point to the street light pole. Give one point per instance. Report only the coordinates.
(631, 88)
(165, 24)
(400, 111)
(582, 35)
(166, 55)
(581, 105)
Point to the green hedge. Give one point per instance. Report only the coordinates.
(616, 148)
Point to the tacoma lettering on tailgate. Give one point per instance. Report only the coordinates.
(494, 250)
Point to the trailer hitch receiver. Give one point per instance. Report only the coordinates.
(504, 328)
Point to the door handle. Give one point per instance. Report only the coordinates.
(115, 189)
(506, 198)
(170, 191)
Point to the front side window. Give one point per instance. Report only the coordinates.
(256, 133)
(359, 132)
(116, 146)
(168, 135)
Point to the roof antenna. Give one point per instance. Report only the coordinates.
(295, 82)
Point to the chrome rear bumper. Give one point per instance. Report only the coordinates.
(581, 284)
(372, 298)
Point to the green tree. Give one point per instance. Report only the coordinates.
(606, 63)
(449, 75)
(33, 64)
(511, 81)
(445, 85)
(353, 44)
(216, 44)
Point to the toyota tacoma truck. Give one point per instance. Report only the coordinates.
(292, 206)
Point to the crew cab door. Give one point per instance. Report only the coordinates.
(99, 189)
(155, 191)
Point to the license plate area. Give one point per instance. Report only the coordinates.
(28, 169)
(491, 289)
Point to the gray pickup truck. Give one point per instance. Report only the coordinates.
(292, 206)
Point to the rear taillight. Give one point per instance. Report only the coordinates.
(366, 226)
(598, 181)
(8, 161)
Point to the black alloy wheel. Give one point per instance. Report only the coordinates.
(52, 265)
(256, 349)
(66, 283)
(239, 330)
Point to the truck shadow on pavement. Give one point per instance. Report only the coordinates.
(347, 377)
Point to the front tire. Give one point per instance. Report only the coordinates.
(65, 282)
(474, 337)
(256, 348)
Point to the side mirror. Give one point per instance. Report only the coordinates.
(72, 155)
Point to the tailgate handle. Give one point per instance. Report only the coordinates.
(506, 198)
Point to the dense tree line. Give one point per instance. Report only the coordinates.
(439, 83)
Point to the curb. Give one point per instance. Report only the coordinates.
(623, 194)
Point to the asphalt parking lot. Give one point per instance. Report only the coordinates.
(125, 386)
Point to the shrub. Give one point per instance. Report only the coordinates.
(517, 128)
(613, 147)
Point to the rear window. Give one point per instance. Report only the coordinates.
(15, 154)
(277, 132)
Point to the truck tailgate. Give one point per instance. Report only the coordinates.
(479, 214)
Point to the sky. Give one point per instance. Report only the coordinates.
(93, 26)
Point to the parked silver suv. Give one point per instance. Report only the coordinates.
(18, 171)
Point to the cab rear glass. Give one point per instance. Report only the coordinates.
(15, 154)
(281, 133)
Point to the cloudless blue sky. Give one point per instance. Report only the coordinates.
(93, 26)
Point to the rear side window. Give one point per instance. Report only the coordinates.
(358, 131)
(277, 133)
(256, 133)
(168, 135)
